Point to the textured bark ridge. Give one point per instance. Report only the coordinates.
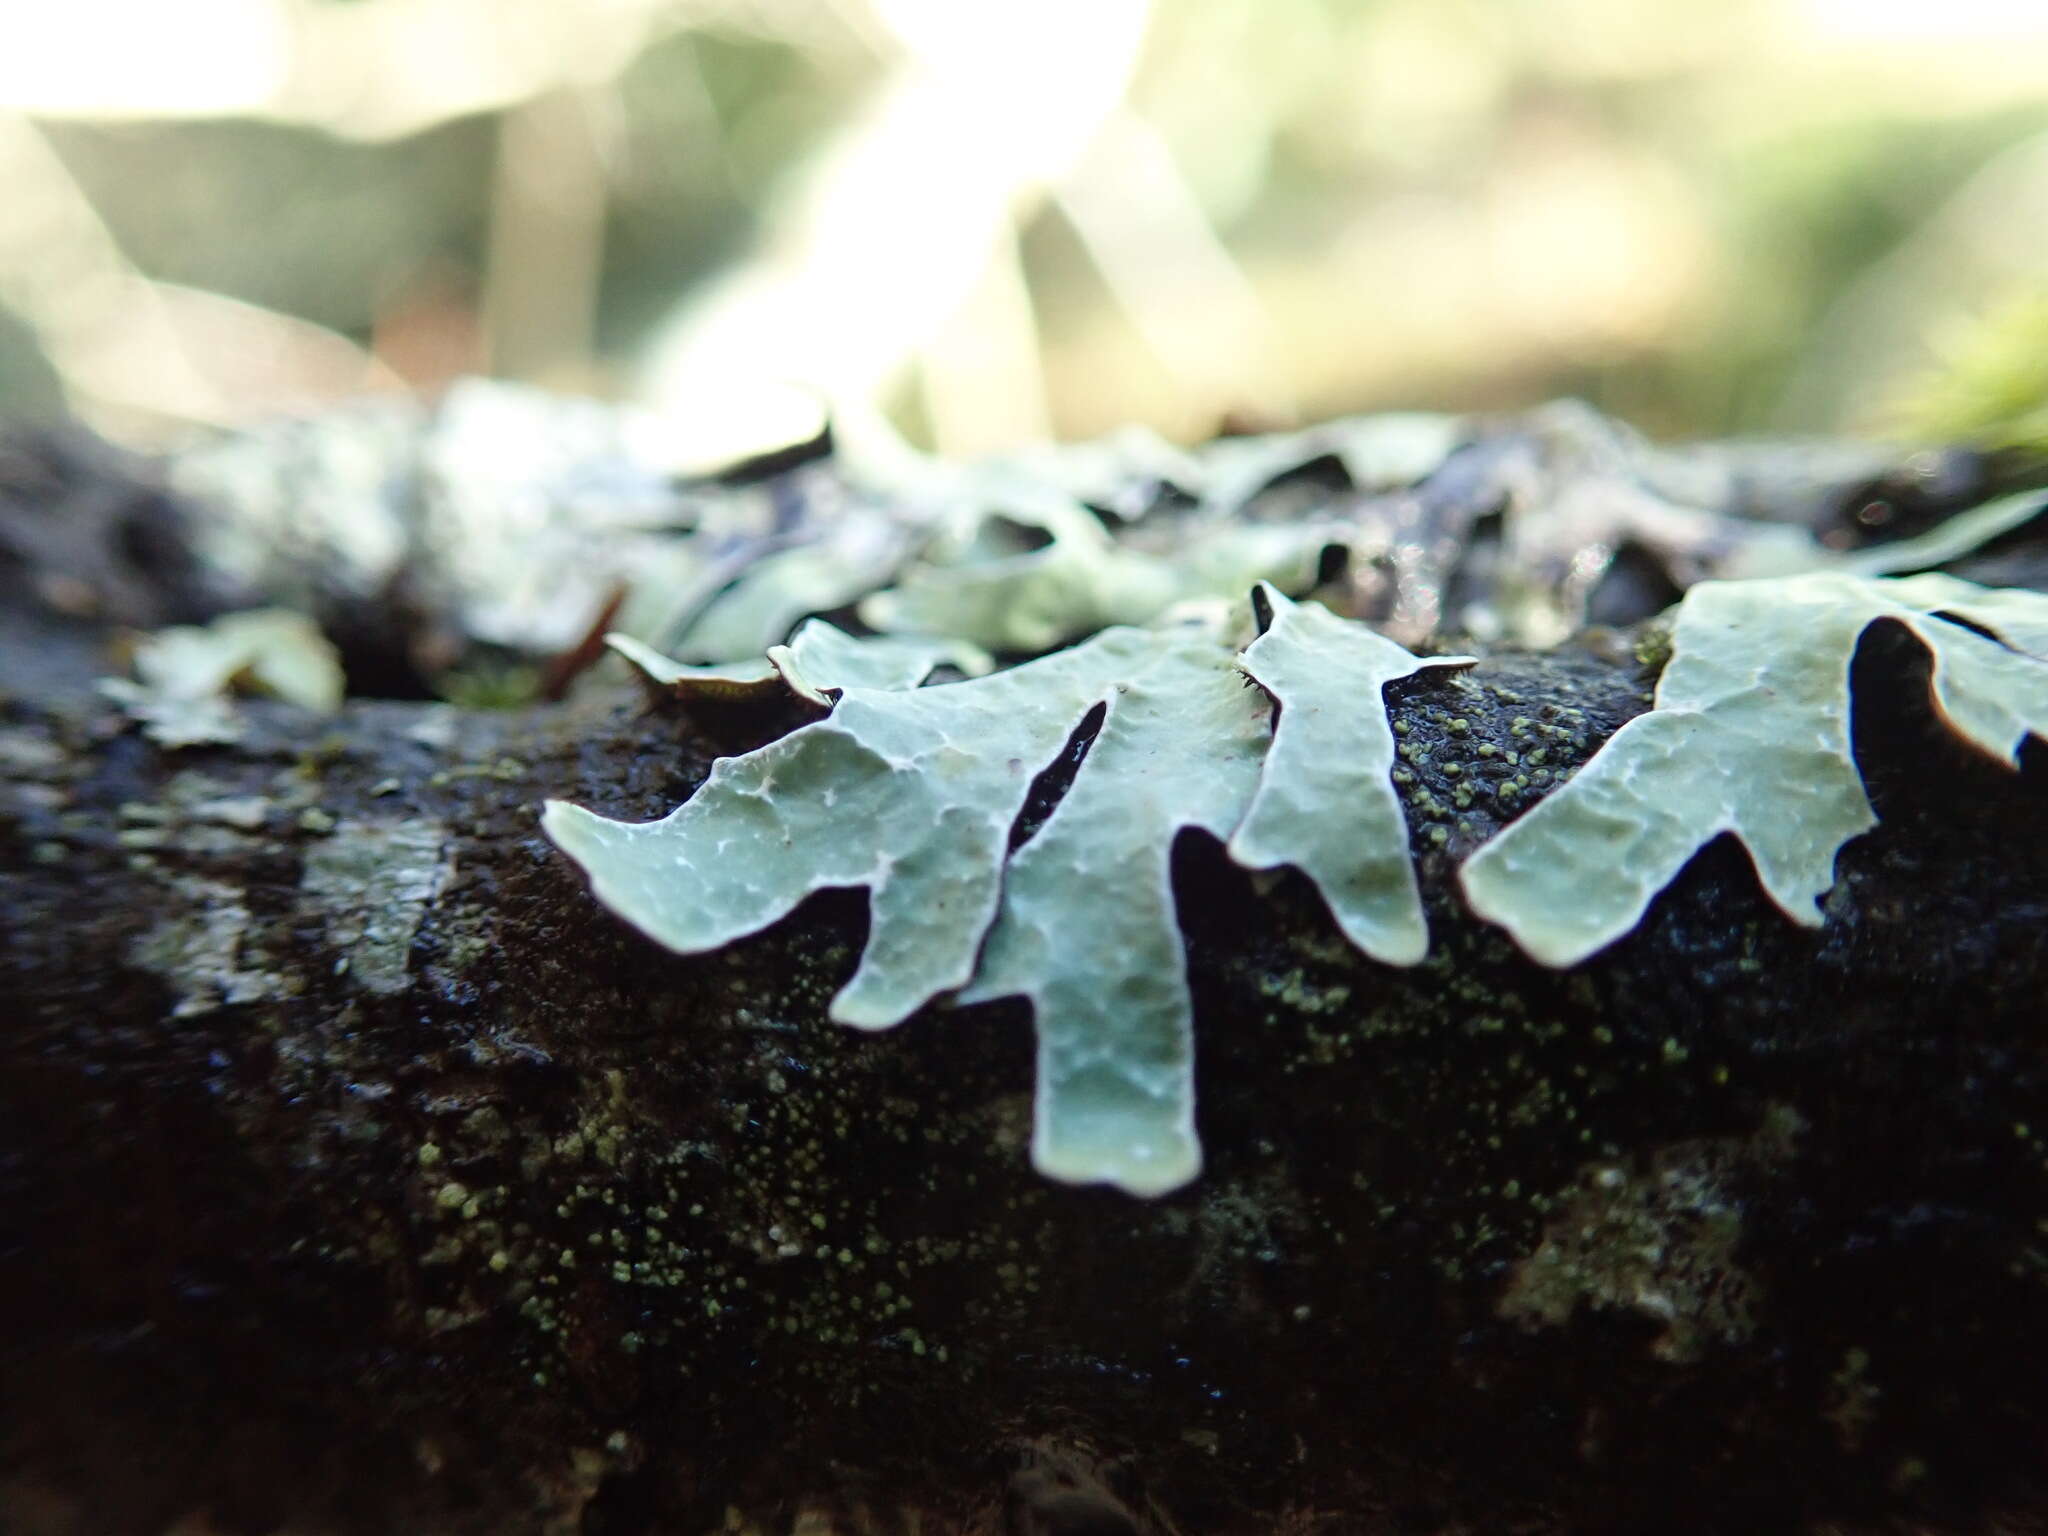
(359, 1172)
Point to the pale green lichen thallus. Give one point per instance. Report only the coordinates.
(1750, 735)
(912, 793)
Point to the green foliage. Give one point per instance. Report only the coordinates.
(490, 683)
(1750, 735)
(1991, 385)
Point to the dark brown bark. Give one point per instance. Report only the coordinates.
(359, 1172)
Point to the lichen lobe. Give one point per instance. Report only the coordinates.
(1750, 735)
(913, 793)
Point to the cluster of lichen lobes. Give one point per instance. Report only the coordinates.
(816, 1213)
(913, 794)
(848, 1214)
(812, 1231)
(1750, 734)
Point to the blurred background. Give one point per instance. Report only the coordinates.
(1002, 221)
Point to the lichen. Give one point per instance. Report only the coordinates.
(374, 880)
(197, 948)
(918, 794)
(914, 793)
(1750, 735)
(184, 674)
(1082, 580)
(1332, 758)
(820, 660)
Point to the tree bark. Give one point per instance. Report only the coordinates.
(358, 1171)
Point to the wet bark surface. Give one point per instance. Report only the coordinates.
(359, 1172)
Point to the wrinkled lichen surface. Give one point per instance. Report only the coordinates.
(911, 793)
(359, 1172)
(694, 1244)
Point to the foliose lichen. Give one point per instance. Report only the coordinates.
(916, 794)
(1750, 735)
(913, 793)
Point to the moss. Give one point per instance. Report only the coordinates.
(765, 1234)
(1652, 648)
(1482, 715)
(1660, 1235)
